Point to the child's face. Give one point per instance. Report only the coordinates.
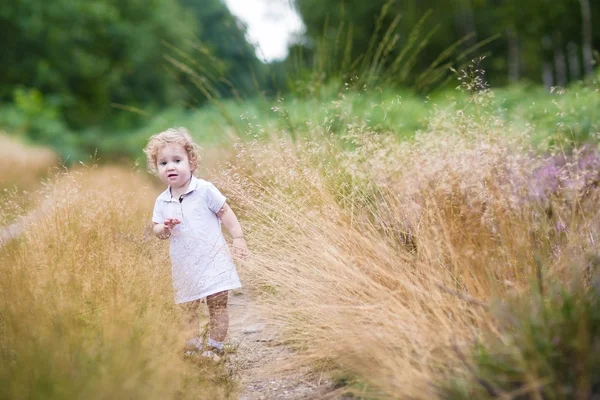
(173, 165)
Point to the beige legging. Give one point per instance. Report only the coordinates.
(217, 310)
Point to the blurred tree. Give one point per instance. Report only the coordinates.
(586, 18)
(89, 54)
(223, 56)
(520, 40)
(86, 57)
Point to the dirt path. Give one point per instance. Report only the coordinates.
(263, 363)
(21, 223)
(13, 230)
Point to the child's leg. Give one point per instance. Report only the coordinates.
(191, 317)
(219, 318)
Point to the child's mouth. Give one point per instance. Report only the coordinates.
(172, 175)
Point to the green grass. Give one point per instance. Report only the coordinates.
(565, 117)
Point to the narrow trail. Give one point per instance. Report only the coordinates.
(21, 224)
(264, 363)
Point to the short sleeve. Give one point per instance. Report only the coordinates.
(158, 213)
(214, 198)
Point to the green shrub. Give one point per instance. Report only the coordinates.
(37, 117)
(547, 348)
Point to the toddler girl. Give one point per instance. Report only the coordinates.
(189, 213)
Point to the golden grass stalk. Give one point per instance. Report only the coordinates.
(86, 308)
(384, 258)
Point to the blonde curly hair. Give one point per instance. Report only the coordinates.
(179, 136)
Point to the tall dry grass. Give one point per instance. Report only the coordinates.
(86, 308)
(385, 257)
(23, 165)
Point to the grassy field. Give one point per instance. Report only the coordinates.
(23, 165)
(396, 259)
(86, 308)
(432, 248)
(23, 168)
(565, 117)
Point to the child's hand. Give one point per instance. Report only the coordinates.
(240, 249)
(169, 224)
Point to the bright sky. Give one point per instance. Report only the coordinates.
(271, 25)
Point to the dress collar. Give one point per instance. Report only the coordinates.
(166, 195)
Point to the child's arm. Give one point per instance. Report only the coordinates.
(229, 219)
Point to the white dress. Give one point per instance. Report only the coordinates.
(200, 260)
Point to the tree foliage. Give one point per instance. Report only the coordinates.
(86, 57)
(225, 57)
(537, 40)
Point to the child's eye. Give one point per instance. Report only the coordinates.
(177, 161)
(163, 163)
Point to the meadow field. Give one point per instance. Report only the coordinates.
(442, 247)
(23, 165)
